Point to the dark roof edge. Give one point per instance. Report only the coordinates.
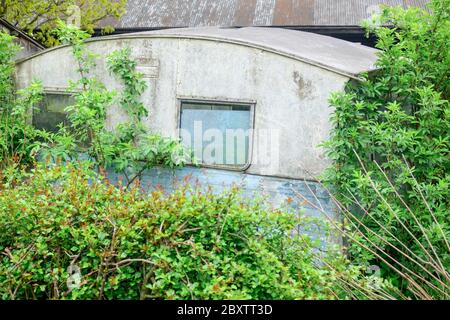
(352, 33)
(22, 34)
(297, 27)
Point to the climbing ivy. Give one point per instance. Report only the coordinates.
(138, 148)
(130, 148)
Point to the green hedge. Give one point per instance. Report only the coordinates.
(131, 245)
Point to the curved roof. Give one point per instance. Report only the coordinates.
(336, 55)
(329, 53)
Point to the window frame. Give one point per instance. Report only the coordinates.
(230, 102)
(55, 91)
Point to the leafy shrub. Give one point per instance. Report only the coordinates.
(390, 150)
(130, 245)
(130, 148)
(18, 139)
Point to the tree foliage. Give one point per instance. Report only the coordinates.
(390, 149)
(40, 17)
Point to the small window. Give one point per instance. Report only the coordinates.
(50, 112)
(218, 134)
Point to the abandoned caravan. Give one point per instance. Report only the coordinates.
(251, 102)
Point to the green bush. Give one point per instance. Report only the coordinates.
(18, 139)
(130, 245)
(390, 150)
(130, 148)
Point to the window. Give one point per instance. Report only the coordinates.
(50, 112)
(219, 134)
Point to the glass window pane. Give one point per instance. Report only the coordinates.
(217, 133)
(50, 111)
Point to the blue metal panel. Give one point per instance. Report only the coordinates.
(277, 191)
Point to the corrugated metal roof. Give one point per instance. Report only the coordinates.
(194, 13)
(336, 55)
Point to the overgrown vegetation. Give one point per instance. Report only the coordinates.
(66, 233)
(18, 139)
(130, 148)
(39, 17)
(390, 150)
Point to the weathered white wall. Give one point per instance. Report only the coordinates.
(291, 96)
